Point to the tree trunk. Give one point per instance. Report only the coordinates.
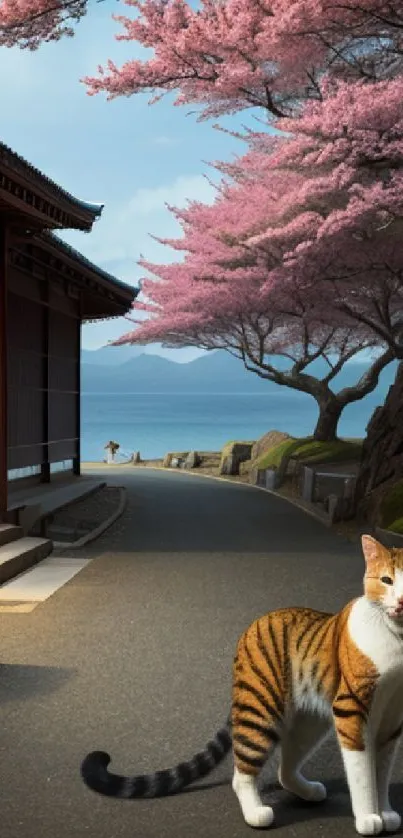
(330, 411)
(382, 455)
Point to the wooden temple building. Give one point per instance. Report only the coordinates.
(47, 290)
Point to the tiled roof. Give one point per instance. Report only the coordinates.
(70, 251)
(20, 165)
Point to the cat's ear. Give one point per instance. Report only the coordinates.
(371, 548)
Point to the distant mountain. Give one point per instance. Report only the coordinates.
(152, 374)
(110, 356)
(215, 372)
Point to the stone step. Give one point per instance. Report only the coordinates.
(9, 532)
(21, 554)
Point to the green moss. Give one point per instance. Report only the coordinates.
(273, 457)
(329, 452)
(397, 526)
(391, 508)
(310, 451)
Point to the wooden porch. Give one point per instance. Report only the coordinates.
(47, 289)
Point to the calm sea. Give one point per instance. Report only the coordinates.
(156, 423)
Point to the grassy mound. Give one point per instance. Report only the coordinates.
(310, 450)
(391, 509)
(274, 456)
(268, 441)
(338, 451)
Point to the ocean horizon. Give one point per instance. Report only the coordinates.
(155, 423)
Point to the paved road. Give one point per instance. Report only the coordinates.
(134, 656)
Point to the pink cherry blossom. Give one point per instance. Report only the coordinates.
(224, 57)
(27, 23)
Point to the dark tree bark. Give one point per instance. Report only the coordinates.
(331, 404)
(330, 411)
(382, 455)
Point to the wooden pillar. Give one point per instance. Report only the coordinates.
(77, 458)
(45, 465)
(3, 368)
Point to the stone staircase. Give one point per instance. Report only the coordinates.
(19, 552)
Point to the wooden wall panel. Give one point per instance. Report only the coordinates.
(23, 285)
(25, 382)
(63, 386)
(43, 383)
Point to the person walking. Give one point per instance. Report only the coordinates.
(111, 448)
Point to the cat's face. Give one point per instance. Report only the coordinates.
(383, 580)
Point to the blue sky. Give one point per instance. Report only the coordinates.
(129, 155)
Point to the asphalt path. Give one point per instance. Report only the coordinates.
(134, 656)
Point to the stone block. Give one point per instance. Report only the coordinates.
(192, 460)
(308, 477)
(232, 455)
(271, 478)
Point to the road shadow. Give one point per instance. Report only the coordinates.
(289, 810)
(21, 682)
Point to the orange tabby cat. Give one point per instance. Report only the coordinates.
(297, 674)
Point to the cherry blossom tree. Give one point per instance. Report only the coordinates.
(29, 23)
(300, 254)
(227, 56)
(333, 205)
(275, 339)
(270, 54)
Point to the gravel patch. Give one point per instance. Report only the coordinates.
(82, 517)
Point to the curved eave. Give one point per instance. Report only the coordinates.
(30, 198)
(103, 295)
(68, 250)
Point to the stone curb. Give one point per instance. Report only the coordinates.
(385, 535)
(85, 539)
(194, 473)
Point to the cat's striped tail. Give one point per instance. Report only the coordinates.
(94, 771)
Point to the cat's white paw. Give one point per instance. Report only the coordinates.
(316, 792)
(253, 810)
(305, 789)
(391, 820)
(369, 824)
(259, 816)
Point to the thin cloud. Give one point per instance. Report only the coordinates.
(165, 141)
(124, 233)
(147, 201)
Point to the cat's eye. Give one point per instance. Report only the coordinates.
(387, 580)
